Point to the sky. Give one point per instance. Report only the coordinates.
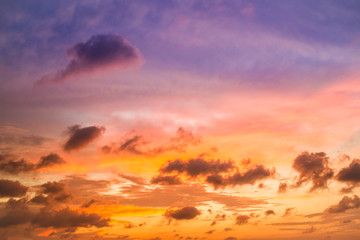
(161, 120)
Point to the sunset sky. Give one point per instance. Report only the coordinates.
(161, 120)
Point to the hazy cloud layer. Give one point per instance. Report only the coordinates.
(10, 188)
(314, 168)
(9, 164)
(81, 137)
(100, 51)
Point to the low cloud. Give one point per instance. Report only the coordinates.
(313, 167)
(17, 212)
(10, 188)
(345, 204)
(215, 172)
(99, 52)
(350, 175)
(166, 180)
(9, 164)
(282, 187)
(51, 193)
(269, 212)
(137, 145)
(185, 213)
(81, 137)
(242, 219)
(67, 218)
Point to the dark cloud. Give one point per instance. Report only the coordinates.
(51, 193)
(196, 167)
(269, 212)
(67, 218)
(282, 187)
(81, 137)
(11, 165)
(50, 160)
(16, 212)
(313, 167)
(215, 172)
(345, 203)
(230, 238)
(10, 188)
(137, 145)
(166, 180)
(350, 175)
(242, 219)
(184, 213)
(100, 51)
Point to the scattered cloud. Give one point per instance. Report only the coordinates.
(81, 137)
(166, 180)
(51, 193)
(345, 204)
(215, 172)
(242, 219)
(184, 213)
(350, 175)
(288, 212)
(99, 52)
(313, 167)
(282, 187)
(9, 163)
(269, 212)
(9, 188)
(137, 145)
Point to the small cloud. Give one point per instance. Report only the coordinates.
(81, 137)
(269, 212)
(242, 219)
(184, 213)
(282, 187)
(10, 188)
(350, 175)
(166, 180)
(99, 52)
(88, 204)
(288, 212)
(345, 204)
(9, 164)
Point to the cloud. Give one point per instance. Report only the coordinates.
(166, 180)
(133, 179)
(282, 187)
(88, 204)
(350, 175)
(67, 218)
(50, 160)
(313, 167)
(184, 213)
(81, 137)
(288, 212)
(16, 212)
(242, 219)
(9, 164)
(269, 212)
(51, 193)
(196, 167)
(10, 188)
(99, 52)
(137, 145)
(215, 172)
(345, 203)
